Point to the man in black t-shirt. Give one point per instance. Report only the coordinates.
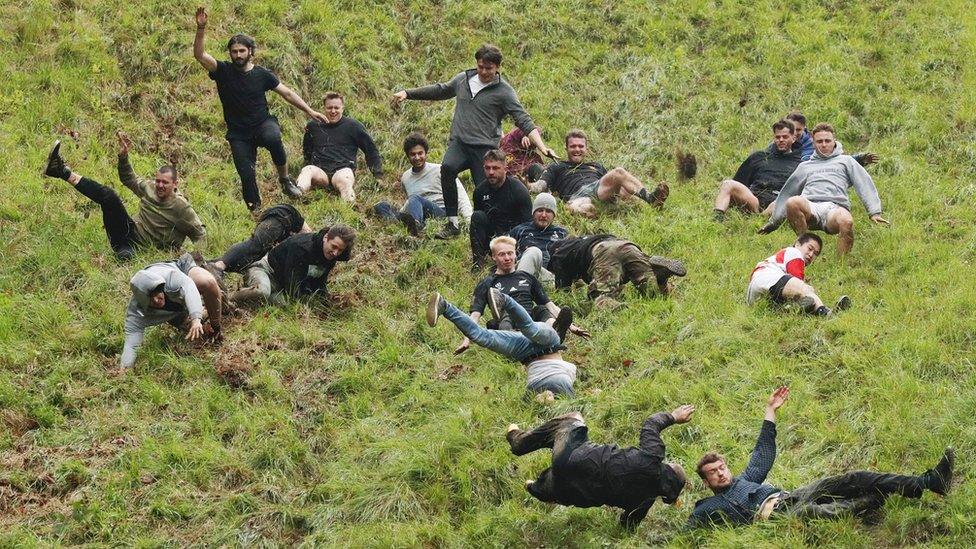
(579, 182)
(241, 86)
(500, 203)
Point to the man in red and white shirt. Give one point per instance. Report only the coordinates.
(781, 277)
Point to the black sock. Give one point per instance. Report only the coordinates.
(643, 195)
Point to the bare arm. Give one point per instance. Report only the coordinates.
(199, 54)
(299, 103)
(536, 138)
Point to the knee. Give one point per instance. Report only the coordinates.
(795, 203)
(845, 225)
(727, 185)
(532, 253)
(479, 218)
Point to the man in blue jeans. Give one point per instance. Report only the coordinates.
(535, 344)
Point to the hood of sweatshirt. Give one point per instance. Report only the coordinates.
(838, 150)
(142, 283)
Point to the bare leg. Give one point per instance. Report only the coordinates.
(796, 290)
(841, 223)
(209, 291)
(582, 206)
(312, 176)
(343, 181)
(798, 213)
(614, 181)
(733, 192)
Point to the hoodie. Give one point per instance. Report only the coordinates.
(293, 260)
(767, 169)
(827, 179)
(182, 299)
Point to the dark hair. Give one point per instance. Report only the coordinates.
(575, 133)
(710, 457)
(158, 289)
(345, 232)
(797, 116)
(807, 237)
(489, 53)
(495, 155)
(414, 139)
(784, 125)
(242, 39)
(333, 95)
(167, 168)
(823, 127)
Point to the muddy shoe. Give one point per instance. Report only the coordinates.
(563, 321)
(289, 187)
(843, 303)
(435, 308)
(545, 397)
(449, 231)
(55, 164)
(410, 222)
(657, 197)
(665, 268)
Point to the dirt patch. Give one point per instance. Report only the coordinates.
(18, 422)
(452, 372)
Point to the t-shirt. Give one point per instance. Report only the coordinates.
(566, 178)
(427, 184)
(788, 261)
(476, 84)
(242, 94)
(506, 206)
(519, 285)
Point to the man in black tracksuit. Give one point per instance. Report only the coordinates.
(483, 98)
(500, 203)
(276, 224)
(584, 474)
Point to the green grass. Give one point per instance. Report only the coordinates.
(351, 428)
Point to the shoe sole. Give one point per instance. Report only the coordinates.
(432, 306)
(55, 152)
(660, 195)
(563, 321)
(950, 456)
(493, 303)
(411, 223)
(673, 266)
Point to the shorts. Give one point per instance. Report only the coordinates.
(768, 282)
(586, 191)
(766, 197)
(821, 212)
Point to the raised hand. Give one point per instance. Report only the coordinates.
(777, 398)
(682, 414)
(125, 144)
(869, 158)
(201, 17)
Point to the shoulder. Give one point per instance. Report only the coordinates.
(220, 70)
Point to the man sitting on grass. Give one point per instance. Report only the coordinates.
(747, 497)
(534, 239)
(780, 277)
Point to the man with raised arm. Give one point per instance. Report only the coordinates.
(165, 218)
(585, 474)
(242, 86)
(483, 99)
(579, 182)
(747, 497)
(781, 277)
(815, 196)
(330, 151)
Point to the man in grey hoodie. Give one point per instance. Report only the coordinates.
(815, 196)
(173, 292)
(483, 98)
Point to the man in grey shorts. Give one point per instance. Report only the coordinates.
(579, 183)
(815, 196)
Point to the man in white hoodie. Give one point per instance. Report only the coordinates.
(815, 196)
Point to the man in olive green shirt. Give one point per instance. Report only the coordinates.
(165, 218)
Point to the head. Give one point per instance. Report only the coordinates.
(503, 253)
(799, 123)
(543, 210)
(489, 59)
(809, 245)
(415, 147)
(165, 182)
(334, 105)
(673, 481)
(157, 298)
(241, 50)
(147, 289)
(823, 139)
(495, 169)
(338, 241)
(713, 470)
(576, 146)
(783, 136)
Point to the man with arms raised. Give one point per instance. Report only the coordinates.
(815, 196)
(500, 203)
(241, 86)
(483, 99)
(745, 498)
(781, 278)
(579, 182)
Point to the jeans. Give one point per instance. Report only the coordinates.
(417, 206)
(848, 494)
(532, 338)
(244, 149)
(119, 227)
(460, 157)
(269, 232)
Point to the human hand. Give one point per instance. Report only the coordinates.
(869, 158)
(318, 116)
(398, 97)
(880, 220)
(549, 153)
(125, 144)
(574, 329)
(767, 228)
(682, 414)
(464, 346)
(526, 142)
(777, 398)
(195, 331)
(201, 17)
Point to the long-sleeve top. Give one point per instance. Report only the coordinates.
(164, 223)
(804, 145)
(506, 206)
(477, 117)
(517, 158)
(300, 266)
(571, 258)
(427, 184)
(768, 169)
(827, 179)
(333, 146)
(739, 503)
(528, 235)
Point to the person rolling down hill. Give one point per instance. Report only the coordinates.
(275, 225)
(781, 278)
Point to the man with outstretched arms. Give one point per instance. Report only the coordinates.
(585, 474)
(483, 99)
(330, 151)
(815, 196)
(580, 182)
(781, 278)
(500, 203)
(165, 218)
(242, 86)
(535, 238)
(174, 292)
(745, 498)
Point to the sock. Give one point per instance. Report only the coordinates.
(643, 195)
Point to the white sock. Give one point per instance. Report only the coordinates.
(453, 220)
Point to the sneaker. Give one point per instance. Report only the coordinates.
(843, 303)
(55, 164)
(435, 308)
(807, 304)
(659, 195)
(939, 478)
(545, 397)
(289, 187)
(563, 321)
(410, 222)
(477, 265)
(254, 207)
(449, 231)
(496, 301)
(665, 268)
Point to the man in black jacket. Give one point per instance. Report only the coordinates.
(297, 267)
(275, 225)
(500, 203)
(584, 474)
(607, 263)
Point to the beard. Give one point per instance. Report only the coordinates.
(242, 62)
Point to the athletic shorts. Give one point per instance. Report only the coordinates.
(586, 191)
(766, 197)
(767, 282)
(821, 212)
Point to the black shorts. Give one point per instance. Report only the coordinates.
(776, 291)
(765, 198)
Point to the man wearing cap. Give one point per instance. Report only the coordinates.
(535, 238)
(584, 474)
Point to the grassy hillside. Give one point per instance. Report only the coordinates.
(353, 424)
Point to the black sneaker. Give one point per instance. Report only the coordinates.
(435, 308)
(563, 320)
(253, 207)
(496, 301)
(55, 164)
(477, 266)
(449, 231)
(939, 478)
(289, 187)
(665, 268)
(410, 222)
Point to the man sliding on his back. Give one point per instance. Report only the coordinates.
(781, 278)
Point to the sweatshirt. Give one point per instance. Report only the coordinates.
(164, 223)
(477, 118)
(768, 169)
(571, 257)
(333, 146)
(427, 184)
(293, 260)
(527, 235)
(827, 179)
